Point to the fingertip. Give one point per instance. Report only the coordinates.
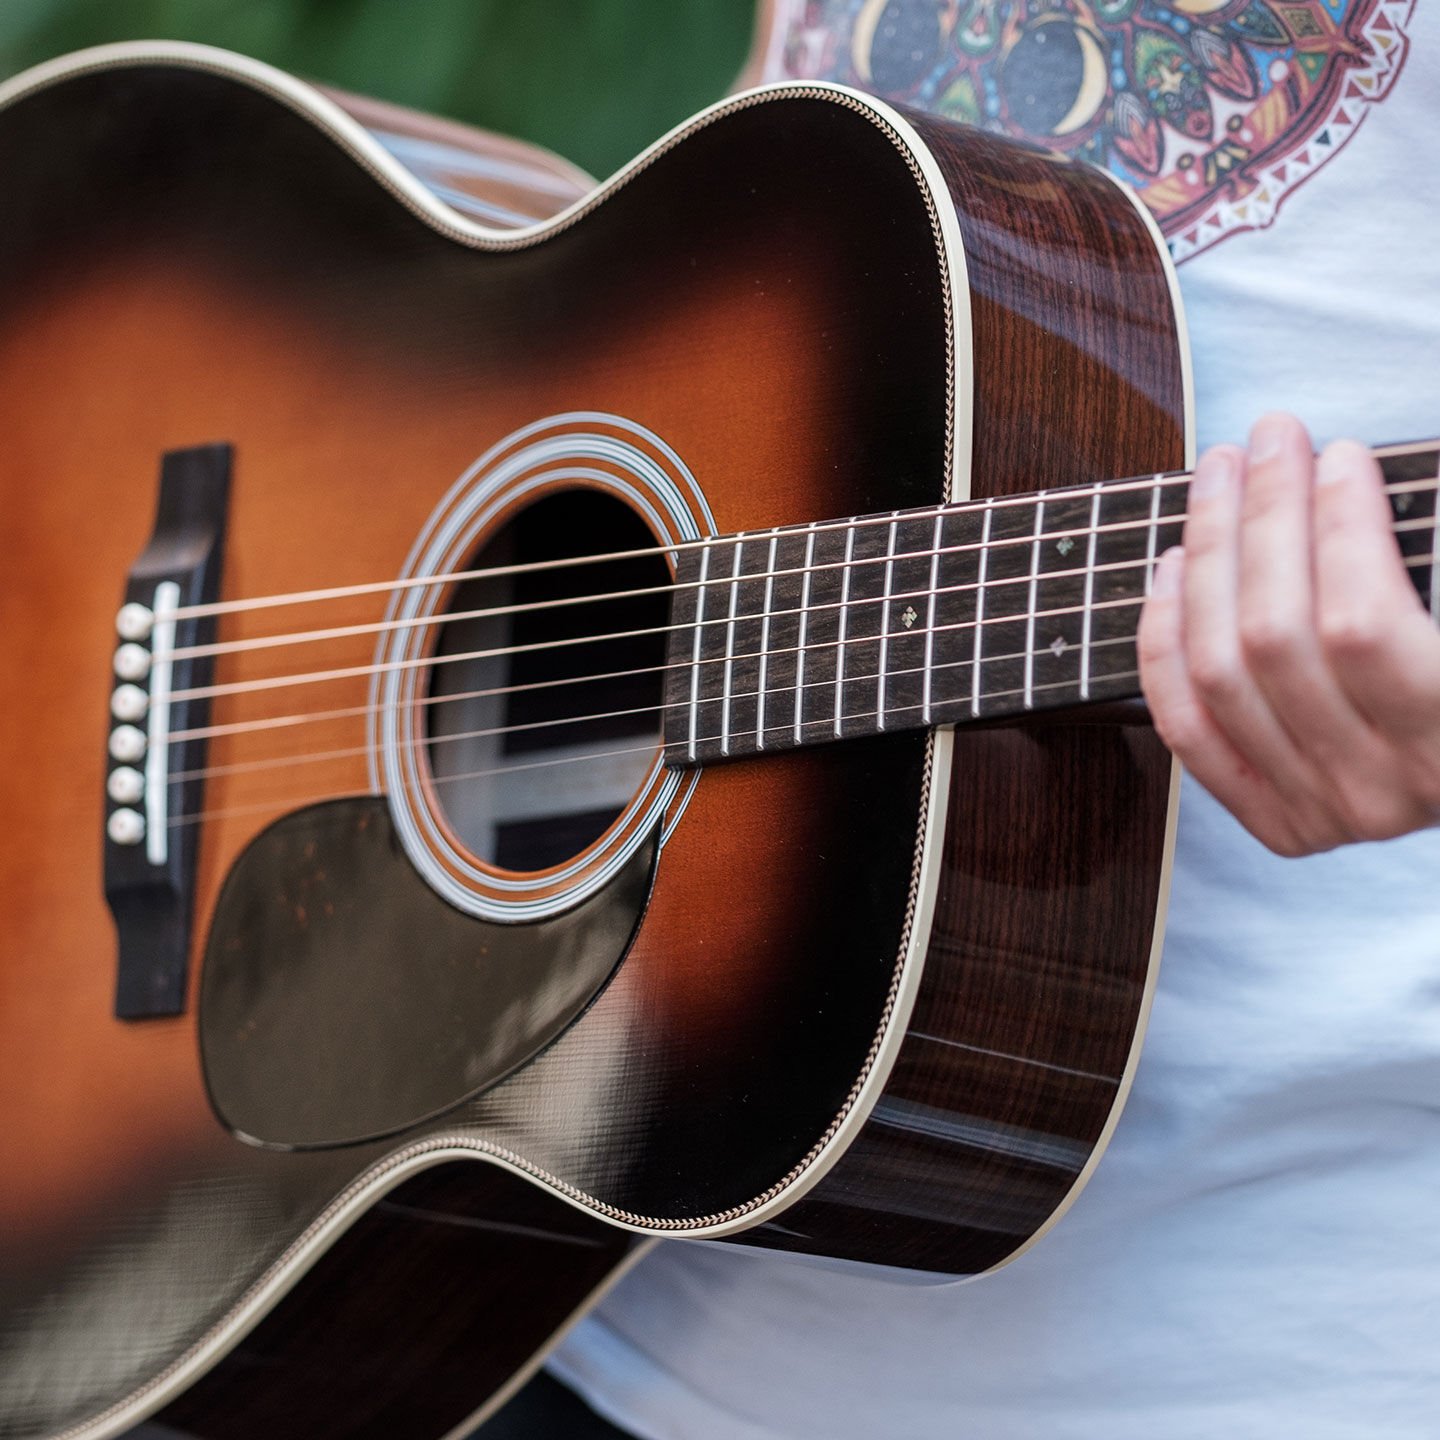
(1275, 432)
(1343, 460)
(1219, 470)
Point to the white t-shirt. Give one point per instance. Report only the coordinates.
(1259, 1252)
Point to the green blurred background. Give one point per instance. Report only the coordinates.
(595, 80)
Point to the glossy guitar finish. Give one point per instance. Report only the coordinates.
(883, 999)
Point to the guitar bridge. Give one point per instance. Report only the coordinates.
(150, 846)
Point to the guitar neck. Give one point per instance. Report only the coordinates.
(972, 612)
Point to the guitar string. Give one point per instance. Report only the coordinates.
(276, 682)
(341, 632)
(659, 709)
(756, 536)
(308, 757)
(1163, 481)
(652, 747)
(430, 662)
(274, 722)
(306, 597)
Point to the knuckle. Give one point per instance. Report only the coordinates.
(1352, 635)
(1377, 820)
(1320, 831)
(1285, 843)
(1374, 808)
(1401, 815)
(1217, 674)
(1269, 637)
(1278, 831)
(1183, 727)
(1426, 772)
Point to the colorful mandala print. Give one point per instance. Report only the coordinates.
(1213, 110)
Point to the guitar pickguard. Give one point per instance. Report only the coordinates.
(343, 1000)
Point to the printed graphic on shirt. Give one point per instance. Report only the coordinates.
(1213, 110)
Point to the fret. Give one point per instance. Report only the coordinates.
(699, 624)
(892, 530)
(684, 657)
(958, 570)
(711, 675)
(864, 622)
(1031, 598)
(744, 643)
(802, 634)
(1134, 526)
(910, 617)
(730, 645)
(976, 664)
(820, 656)
(1003, 603)
(1055, 646)
(843, 620)
(763, 668)
(786, 584)
(930, 615)
(1169, 496)
(1152, 536)
(1089, 601)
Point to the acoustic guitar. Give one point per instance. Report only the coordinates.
(536, 736)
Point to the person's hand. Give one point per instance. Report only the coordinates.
(1284, 653)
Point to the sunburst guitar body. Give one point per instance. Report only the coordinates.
(429, 877)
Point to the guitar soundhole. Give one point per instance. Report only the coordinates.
(545, 726)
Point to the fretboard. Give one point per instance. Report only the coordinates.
(972, 612)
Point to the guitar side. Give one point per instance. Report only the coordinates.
(1043, 950)
(925, 848)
